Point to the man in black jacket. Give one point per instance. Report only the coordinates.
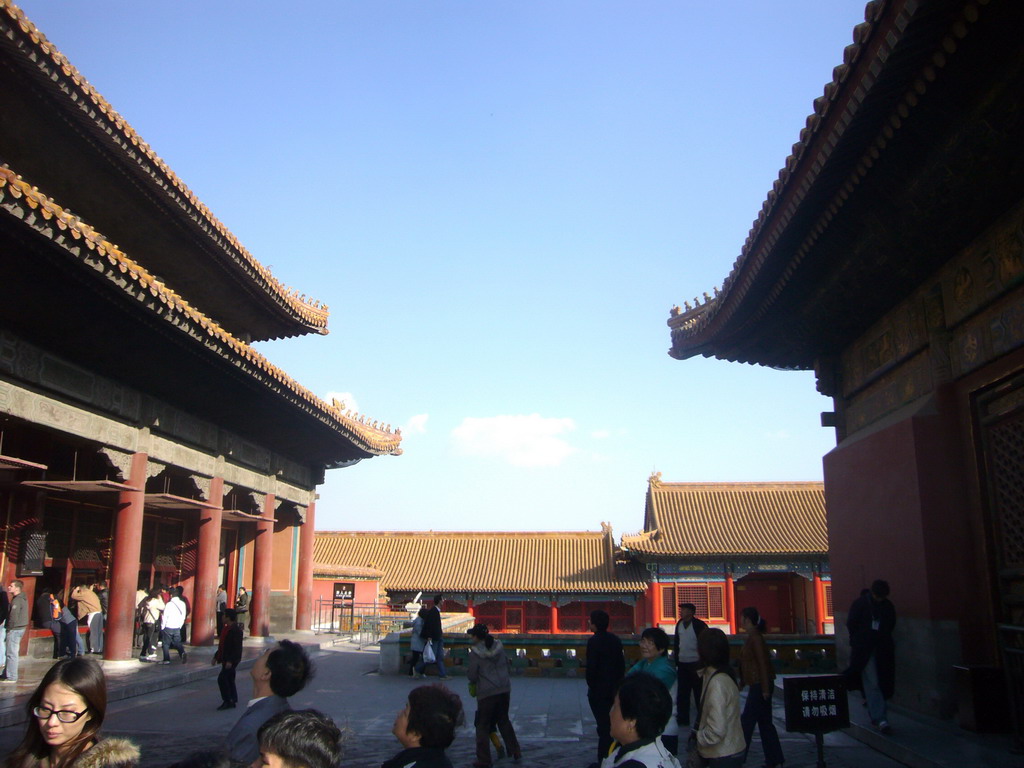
(871, 621)
(684, 645)
(606, 667)
(433, 633)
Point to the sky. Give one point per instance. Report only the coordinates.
(500, 202)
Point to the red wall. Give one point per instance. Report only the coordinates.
(366, 591)
(897, 510)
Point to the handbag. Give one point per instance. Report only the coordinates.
(428, 653)
(694, 759)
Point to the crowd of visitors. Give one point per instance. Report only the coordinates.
(636, 714)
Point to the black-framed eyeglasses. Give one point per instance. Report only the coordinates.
(64, 715)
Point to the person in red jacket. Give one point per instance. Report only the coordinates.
(228, 655)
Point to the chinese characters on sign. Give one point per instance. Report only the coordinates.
(816, 704)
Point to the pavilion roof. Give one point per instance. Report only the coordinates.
(84, 251)
(71, 159)
(910, 150)
(693, 519)
(485, 562)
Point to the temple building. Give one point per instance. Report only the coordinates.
(143, 440)
(889, 259)
(726, 546)
(513, 582)
(720, 546)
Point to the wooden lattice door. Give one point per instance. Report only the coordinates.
(1000, 418)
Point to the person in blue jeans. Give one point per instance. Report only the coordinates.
(17, 621)
(432, 633)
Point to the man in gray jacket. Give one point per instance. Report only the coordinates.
(17, 621)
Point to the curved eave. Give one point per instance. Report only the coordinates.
(103, 263)
(282, 311)
(904, 129)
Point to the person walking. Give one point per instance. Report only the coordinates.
(88, 609)
(5, 609)
(416, 641)
(756, 671)
(870, 622)
(173, 620)
(17, 621)
(688, 631)
(151, 610)
(433, 633)
(606, 666)
(221, 603)
(242, 609)
(717, 736)
(69, 636)
(488, 674)
(228, 655)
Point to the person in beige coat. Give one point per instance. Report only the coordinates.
(718, 734)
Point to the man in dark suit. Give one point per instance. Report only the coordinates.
(606, 666)
(433, 633)
(279, 673)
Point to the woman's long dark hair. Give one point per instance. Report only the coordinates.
(754, 618)
(84, 677)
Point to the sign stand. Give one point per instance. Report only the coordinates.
(816, 704)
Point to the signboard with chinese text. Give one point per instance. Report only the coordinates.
(344, 590)
(816, 704)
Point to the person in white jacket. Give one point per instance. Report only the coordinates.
(640, 711)
(719, 733)
(173, 620)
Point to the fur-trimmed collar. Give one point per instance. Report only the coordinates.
(109, 753)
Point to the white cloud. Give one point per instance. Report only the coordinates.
(600, 434)
(522, 441)
(347, 398)
(416, 424)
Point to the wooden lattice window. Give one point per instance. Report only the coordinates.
(828, 600)
(492, 614)
(709, 600)
(538, 616)
(575, 617)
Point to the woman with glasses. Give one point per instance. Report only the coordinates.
(65, 714)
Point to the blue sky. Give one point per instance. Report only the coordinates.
(500, 202)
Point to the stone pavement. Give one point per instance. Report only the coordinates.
(170, 711)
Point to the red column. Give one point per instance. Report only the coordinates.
(304, 592)
(124, 572)
(554, 617)
(653, 593)
(262, 564)
(204, 602)
(469, 606)
(819, 604)
(730, 603)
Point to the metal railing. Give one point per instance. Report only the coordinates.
(362, 623)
